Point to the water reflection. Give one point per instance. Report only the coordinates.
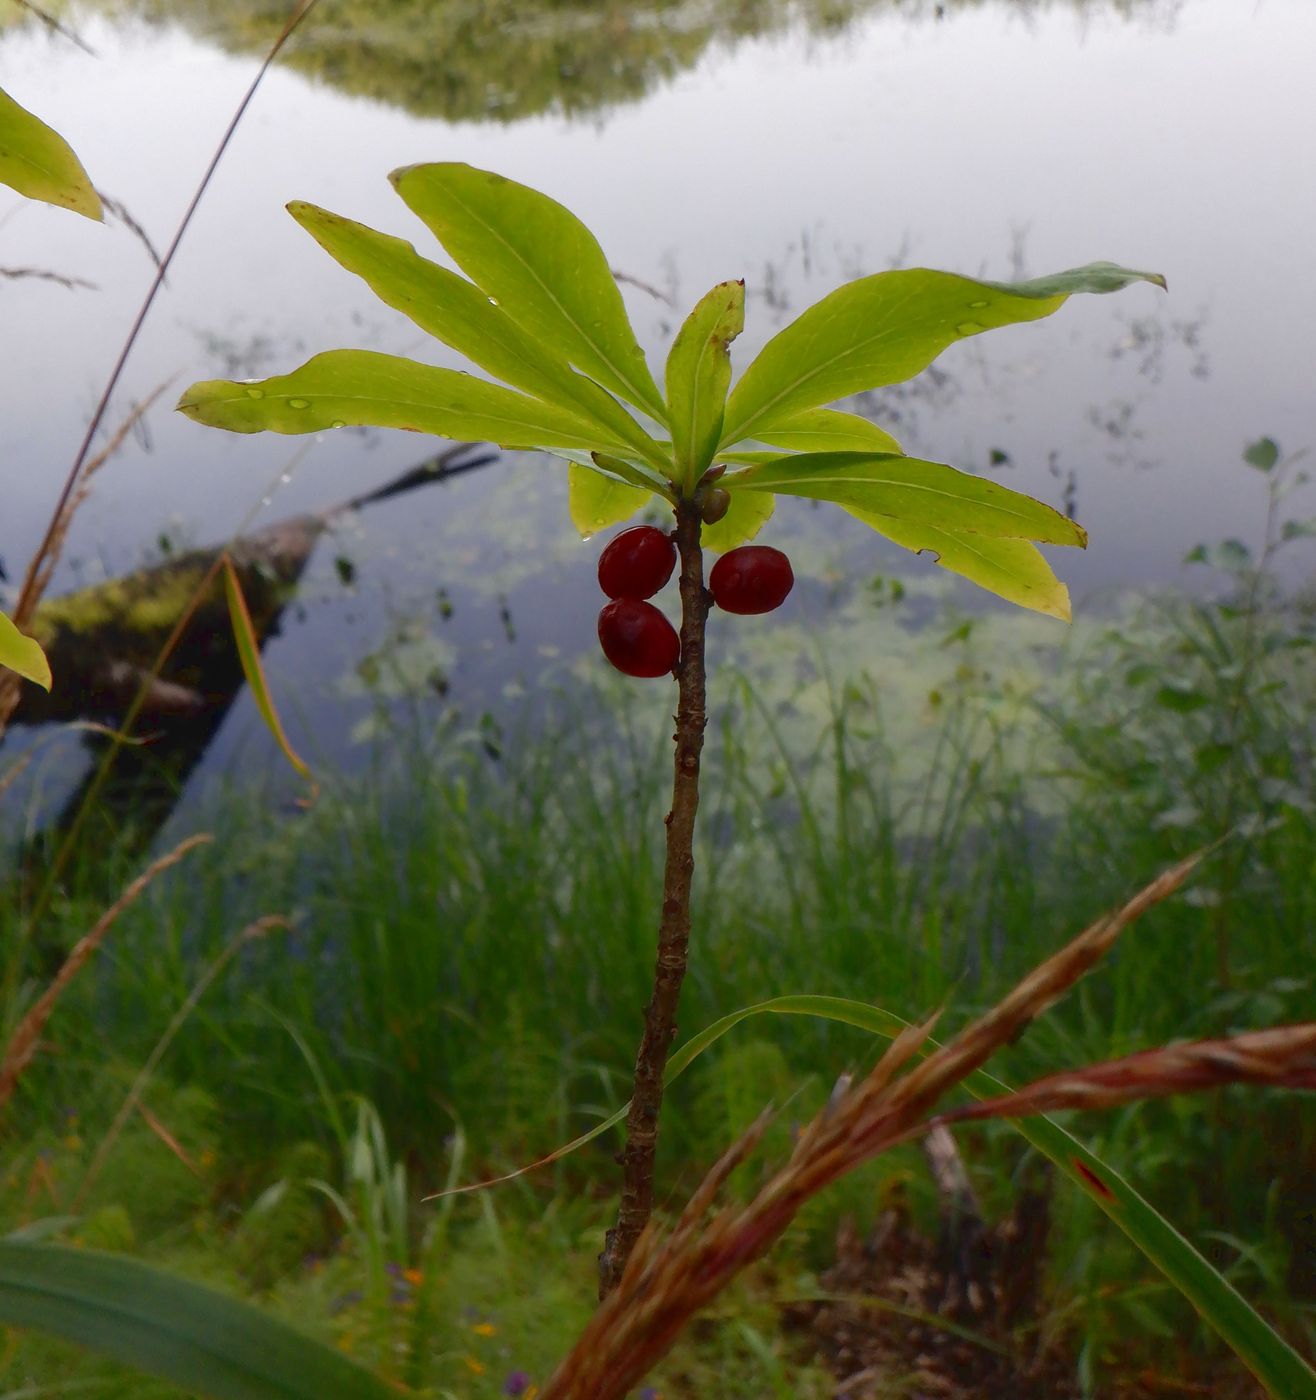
(504, 60)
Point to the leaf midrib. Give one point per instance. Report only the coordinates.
(883, 481)
(854, 348)
(641, 398)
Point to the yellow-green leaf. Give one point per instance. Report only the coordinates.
(886, 328)
(23, 654)
(698, 375)
(361, 387)
(597, 501)
(456, 312)
(1012, 569)
(541, 264)
(747, 514)
(826, 430)
(244, 634)
(910, 489)
(38, 162)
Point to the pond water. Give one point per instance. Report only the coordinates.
(795, 145)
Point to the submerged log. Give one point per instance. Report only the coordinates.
(103, 640)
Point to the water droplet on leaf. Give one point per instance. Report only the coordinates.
(338, 423)
(968, 328)
(975, 305)
(299, 403)
(255, 393)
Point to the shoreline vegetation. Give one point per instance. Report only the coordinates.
(457, 991)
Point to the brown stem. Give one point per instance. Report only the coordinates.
(637, 1157)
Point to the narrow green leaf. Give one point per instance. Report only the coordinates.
(909, 489)
(747, 514)
(1012, 569)
(698, 376)
(459, 314)
(886, 328)
(38, 162)
(541, 264)
(23, 654)
(597, 500)
(632, 472)
(195, 1337)
(362, 387)
(826, 430)
(244, 634)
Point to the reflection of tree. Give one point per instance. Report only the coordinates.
(502, 60)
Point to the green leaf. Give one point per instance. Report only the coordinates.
(193, 1336)
(244, 634)
(698, 376)
(1012, 569)
(747, 514)
(23, 654)
(597, 500)
(886, 328)
(541, 264)
(1262, 454)
(826, 430)
(361, 387)
(39, 163)
(459, 314)
(909, 489)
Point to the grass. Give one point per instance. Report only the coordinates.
(471, 948)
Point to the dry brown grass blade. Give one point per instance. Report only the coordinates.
(667, 1281)
(59, 534)
(1282, 1057)
(23, 1043)
(1044, 986)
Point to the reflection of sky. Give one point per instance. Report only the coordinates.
(1185, 147)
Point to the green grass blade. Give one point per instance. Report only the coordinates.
(543, 265)
(38, 162)
(886, 328)
(363, 388)
(206, 1342)
(244, 635)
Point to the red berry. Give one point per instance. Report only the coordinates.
(637, 563)
(752, 579)
(637, 638)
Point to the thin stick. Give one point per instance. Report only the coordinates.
(23, 1043)
(637, 1157)
(29, 596)
(257, 929)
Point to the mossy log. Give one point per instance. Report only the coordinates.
(104, 640)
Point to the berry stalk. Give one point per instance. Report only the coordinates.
(637, 1157)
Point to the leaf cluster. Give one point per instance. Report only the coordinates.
(538, 310)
